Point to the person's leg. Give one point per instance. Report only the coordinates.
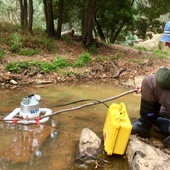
(149, 110)
(163, 124)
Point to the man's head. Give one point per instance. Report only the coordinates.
(166, 34)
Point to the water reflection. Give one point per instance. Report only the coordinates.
(53, 145)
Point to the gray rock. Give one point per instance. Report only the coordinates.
(142, 156)
(89, 144)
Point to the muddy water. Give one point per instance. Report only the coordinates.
(54, 144)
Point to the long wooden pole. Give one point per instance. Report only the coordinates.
(90, 104)
(81, 106)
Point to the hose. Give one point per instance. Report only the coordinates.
(78, 101)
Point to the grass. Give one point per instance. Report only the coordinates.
(2, 53)
(38, 43)
(55, 65)
(83, 60)
(160, 53)
(26, 44)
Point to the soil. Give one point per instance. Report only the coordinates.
(121, 63)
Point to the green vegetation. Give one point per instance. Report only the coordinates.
(2, 53)
(15, 42)
(26, 44)
(27, 52)
(117, 56)
(140, 48)
(12, 39)
(92, 49)
(82, 60)
(159, 53)
(101, 58)
(56, 65)
(162, 54)
(16, 67)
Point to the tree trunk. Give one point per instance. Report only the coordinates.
(99, 30)
(124, 21)
(60, 19)
(45, 13)
(88, 37)
(21, 13)
(48, 9)
(30, 16)
(26, 23)
(114, 37)
(25, 15)
(83, 22)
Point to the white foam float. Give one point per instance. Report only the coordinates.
(16, 112)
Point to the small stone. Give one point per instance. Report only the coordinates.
(13, 82)
(146, 164)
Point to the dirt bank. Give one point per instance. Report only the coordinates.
(121, 63)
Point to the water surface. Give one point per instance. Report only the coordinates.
(48, 147)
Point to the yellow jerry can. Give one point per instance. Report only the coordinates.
(117, 129)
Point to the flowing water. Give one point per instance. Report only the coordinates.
(54, 144)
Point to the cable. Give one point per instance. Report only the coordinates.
(90, 104)
(78, 101)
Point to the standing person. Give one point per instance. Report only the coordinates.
(155, 100)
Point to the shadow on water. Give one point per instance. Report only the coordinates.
(54, 144)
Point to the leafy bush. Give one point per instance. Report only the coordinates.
(82, 60)
(45, 66)
(60, 63)
(16, 67)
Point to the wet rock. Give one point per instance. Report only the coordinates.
(143, 156)
(89, 144)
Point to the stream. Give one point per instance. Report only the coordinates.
(53, 145)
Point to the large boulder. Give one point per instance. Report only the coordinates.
(142, 156)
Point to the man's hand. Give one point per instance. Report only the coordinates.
(138, 88)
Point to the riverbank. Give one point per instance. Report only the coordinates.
(120, 63)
